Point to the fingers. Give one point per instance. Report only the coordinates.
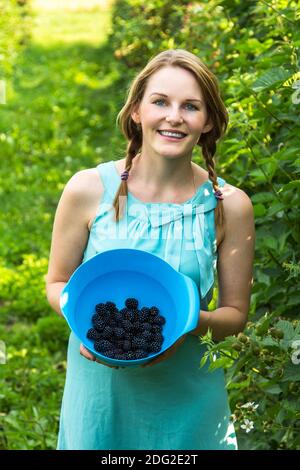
(85, 353)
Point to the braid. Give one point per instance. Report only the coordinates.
(208, 145)
(132, 150)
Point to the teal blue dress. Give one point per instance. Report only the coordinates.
(174, 404)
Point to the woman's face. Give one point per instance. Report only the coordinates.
(172, 101)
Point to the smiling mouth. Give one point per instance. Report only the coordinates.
(172, 136)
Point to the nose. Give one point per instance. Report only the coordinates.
(174, 117)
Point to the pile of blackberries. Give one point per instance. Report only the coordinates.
(127, 334)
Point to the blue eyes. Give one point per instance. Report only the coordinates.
(188, 104)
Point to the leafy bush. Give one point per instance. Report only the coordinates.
(15, 23)
(52, 332)
(22, 290)
(252, 47)
(31, 385)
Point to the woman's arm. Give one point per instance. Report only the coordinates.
(77, 204)
(76, 208)
(235, 265)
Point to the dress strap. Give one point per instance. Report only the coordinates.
(110, 180)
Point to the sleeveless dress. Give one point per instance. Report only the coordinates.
(174, 404)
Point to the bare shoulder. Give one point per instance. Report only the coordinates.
(239, 215)
(84, 190)
(236, 202)
(85, 183)
(120, 165)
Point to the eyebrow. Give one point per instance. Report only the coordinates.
(188, 99)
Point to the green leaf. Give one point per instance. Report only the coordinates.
(275, 208)
(294, 185)
(271, 79)
(287, 328)
(274, 389)
(262, 197)
(270, 242)
(291, 373)
(259, 210)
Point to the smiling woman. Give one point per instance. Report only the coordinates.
(173, 105)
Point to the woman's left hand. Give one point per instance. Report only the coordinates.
(169, 352)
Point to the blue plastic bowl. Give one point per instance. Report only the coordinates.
(115, 275)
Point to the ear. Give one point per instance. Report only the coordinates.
(135, 115)
(208, 127)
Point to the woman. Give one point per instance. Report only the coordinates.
(173, 105)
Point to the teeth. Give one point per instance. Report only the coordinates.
(172, 134)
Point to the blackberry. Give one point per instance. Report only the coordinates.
(136, 314)
(136, 326)
(112, 322)
(129, 356)
(102, 316)
(145, 311)
(153, 311)
(139, 343)
(95, 317)
(119, 356)
(119, 332)
(111, 353)
(146, 335)
(146, 326)
(124, 310)
(129, 315)
(156, 328)
(99, 325)
(151, 319)
(128, 335)
(119, 350)
(140, 354)
(107, 333)
(154, 347)
(158, 337)
(126, 345)
(143, 316)
(100, 308)
(118, 317)
(102, 345)
(93, 334)
(159, 320)
(110, 306)
(127, 325)
(131, 303)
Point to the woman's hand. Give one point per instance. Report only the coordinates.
(169, 352)
(85, 353)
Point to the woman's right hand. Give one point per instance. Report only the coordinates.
(85, 353)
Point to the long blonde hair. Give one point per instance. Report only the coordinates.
(215, 108)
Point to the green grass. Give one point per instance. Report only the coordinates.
(71, 27)
(62, 103)
(62, 100)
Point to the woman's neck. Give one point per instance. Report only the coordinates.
(163, 177)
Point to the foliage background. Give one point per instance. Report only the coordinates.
(66, 75)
